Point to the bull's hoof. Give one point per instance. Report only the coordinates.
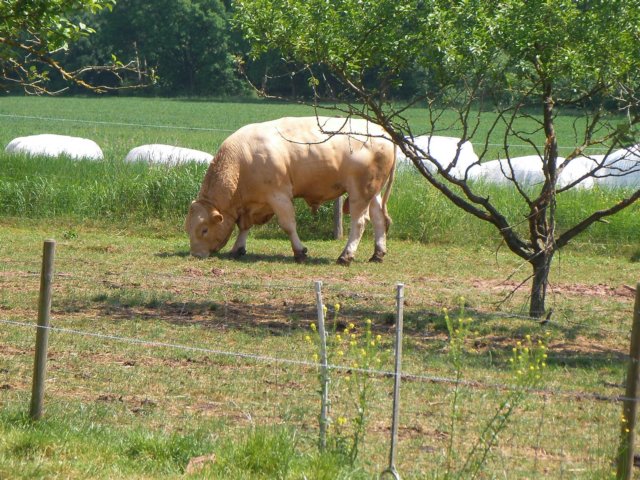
(239, 253)
(300, 256)
(376, 258)
(343, 260)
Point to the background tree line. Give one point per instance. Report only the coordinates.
(194, 50)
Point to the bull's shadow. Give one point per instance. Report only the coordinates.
(252, 258)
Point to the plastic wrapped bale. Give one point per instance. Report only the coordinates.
(621, 169)
(167, 154)
(444, 150)
(51, 145)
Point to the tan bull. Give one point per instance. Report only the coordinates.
(262, 167)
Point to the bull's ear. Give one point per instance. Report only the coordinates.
(186, 220)
(216, 217)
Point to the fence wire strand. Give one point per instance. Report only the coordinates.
(205, 129)
(315, 365)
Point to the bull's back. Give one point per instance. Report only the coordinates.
(310, 157)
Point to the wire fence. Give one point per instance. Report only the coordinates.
(557, 432)
(209, 129)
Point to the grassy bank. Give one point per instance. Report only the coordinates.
(135, 195)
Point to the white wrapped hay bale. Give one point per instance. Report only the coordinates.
(621, 168)
(50, 145)
(443, 149)
(166, 154)
(527, 171)
(577, 168)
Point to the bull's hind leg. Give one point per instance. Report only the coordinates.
(358, 211)
(283, 208)
(379, 222)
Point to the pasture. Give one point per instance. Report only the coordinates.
(160, 358)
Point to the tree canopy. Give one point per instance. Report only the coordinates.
(34, 34)
(186, 42)
(506, 68)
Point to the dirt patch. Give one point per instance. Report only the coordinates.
(577, 289)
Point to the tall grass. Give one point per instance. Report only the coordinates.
(134, 194)
(110, 190)
(423, 214)
(137, 193)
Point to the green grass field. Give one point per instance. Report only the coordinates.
(141, 195)
(165, 366)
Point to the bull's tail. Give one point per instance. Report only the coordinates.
(387, 191)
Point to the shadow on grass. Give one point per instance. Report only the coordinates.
(252, 258)
(571, 345)
(262, 314)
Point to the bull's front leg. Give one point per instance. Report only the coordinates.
(282, 206)
(240, 246)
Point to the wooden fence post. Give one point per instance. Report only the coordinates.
(42, 332)
(630, 404)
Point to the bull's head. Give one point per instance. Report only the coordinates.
(208, 230)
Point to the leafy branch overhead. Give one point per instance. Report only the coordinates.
(504, 68)
(34, 36)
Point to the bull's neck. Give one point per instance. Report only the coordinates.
(220, 185)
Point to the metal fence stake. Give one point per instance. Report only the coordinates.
(42, 333)
(630, 404)
(391, 469)
(324, 368)
(337, 218)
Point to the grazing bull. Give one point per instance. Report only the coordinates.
(262, 167)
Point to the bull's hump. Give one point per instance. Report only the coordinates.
(307, 130)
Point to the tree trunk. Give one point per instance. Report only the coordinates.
(541, 267)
